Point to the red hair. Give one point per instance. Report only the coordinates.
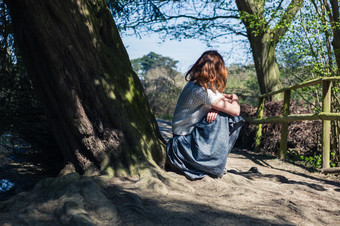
(209, 71)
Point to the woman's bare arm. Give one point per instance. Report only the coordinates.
(228, 103)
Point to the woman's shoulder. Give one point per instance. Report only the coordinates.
(199, 90)
(193, 92)
(191, 85)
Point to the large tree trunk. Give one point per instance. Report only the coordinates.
(267, 69)
(80, 69)
(263, 40)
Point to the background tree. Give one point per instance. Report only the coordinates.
(81, 72)
(310, 51)
(332, 11)
(265, 23)
(153, 60)
(161, 81)
(242, 80)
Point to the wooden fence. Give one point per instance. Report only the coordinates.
(326, 116)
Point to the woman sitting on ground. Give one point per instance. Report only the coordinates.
(206, 122)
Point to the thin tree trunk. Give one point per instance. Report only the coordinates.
(336, 30)
(80, 69)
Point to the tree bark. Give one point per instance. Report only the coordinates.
(81, 71)
(264, 39)
(267, 69)
(336, 30)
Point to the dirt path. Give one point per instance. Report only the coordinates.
(273, 193)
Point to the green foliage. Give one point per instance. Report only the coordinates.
(307, 45)
(315, 161)
(312, 161)
(242, 81)
(307, 53)
(161, 82)
(151, 61)
(257, 23)
(333, 161)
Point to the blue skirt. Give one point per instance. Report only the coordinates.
(205, 150)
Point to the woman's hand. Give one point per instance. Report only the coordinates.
(212, 115)
(231, 97)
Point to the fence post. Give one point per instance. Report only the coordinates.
(326, 124)
(284, 125)
(259, 126)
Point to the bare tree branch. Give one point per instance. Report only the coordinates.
(274, 14)
(203, 18)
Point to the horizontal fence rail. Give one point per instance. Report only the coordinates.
(301, 85)
(326, 116)
(295, 117)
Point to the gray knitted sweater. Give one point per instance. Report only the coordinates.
(192, 105)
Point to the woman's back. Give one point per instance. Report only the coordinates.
(193, 104)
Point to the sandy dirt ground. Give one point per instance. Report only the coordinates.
(274, 192)
(257, 190)
(278, 194)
